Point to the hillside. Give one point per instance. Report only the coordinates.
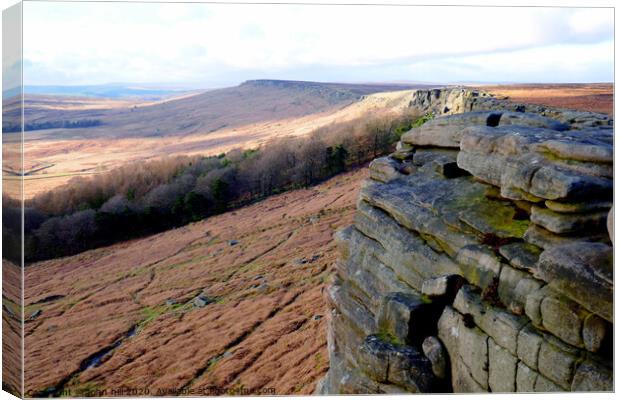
(63, 159)
(250, 102)
(262, 267)
(133, 306)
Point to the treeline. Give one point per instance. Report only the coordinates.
(149, 197)
(65, 124)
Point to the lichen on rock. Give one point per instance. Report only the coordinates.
(480, 258)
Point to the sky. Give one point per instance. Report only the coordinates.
(217, 45)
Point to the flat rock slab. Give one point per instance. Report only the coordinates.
(535, 164)
(454, 212)
(521, 255)
(530, 119)
(446, 131)
(567, 223)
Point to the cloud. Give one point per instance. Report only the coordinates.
(555, 63)
(11, 50)
(140, 42)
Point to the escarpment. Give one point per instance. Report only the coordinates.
(479, 259)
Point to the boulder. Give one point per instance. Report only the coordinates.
(466, 344)
(589, 206)
(530, 119)
(479, 265)
(202, 301)
(592, 377)
(393, 363)
(446, 131)
(433, 350)
(405, 317)
(532, 304)
(517, 159)
(358, 315)
(342, 241)
(384, 169)
(595, 332)
(403, 151)
(462, 379)
(545, 239)
(521, 255)
(408, 254)
(582, 271)
(557, 362)
(519, 294)
(563, 318)
(507, 292)
(454, 212)
(501, 325)
(566, 223)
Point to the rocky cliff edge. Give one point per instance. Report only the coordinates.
(480, 259)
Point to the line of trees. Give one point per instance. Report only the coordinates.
(64, 124)
(148, 197)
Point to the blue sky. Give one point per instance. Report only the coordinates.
(215, 45)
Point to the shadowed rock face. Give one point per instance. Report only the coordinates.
(479, 259)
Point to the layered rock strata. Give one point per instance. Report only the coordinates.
(480, 258)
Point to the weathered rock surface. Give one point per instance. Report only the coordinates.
(442, 286)
(530, 119)
(447, 131)
(567, 223)
(532, 163)
(435, 352)
(401, 365)
(582, 271)
(479, 259)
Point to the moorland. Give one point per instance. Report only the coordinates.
(206, 292)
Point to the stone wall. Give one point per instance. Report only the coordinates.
(479, 259)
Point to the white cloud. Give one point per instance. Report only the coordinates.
(556, 63)
(140, 42)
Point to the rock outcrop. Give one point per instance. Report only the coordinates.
(480, 258)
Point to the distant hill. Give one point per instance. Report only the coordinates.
(251, 102)
(99, 91)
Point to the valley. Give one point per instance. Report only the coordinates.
(259, 272)
(230, 304)
(207, 124)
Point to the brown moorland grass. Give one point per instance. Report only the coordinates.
(595, 97)
(11, 328)
(265, 328)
